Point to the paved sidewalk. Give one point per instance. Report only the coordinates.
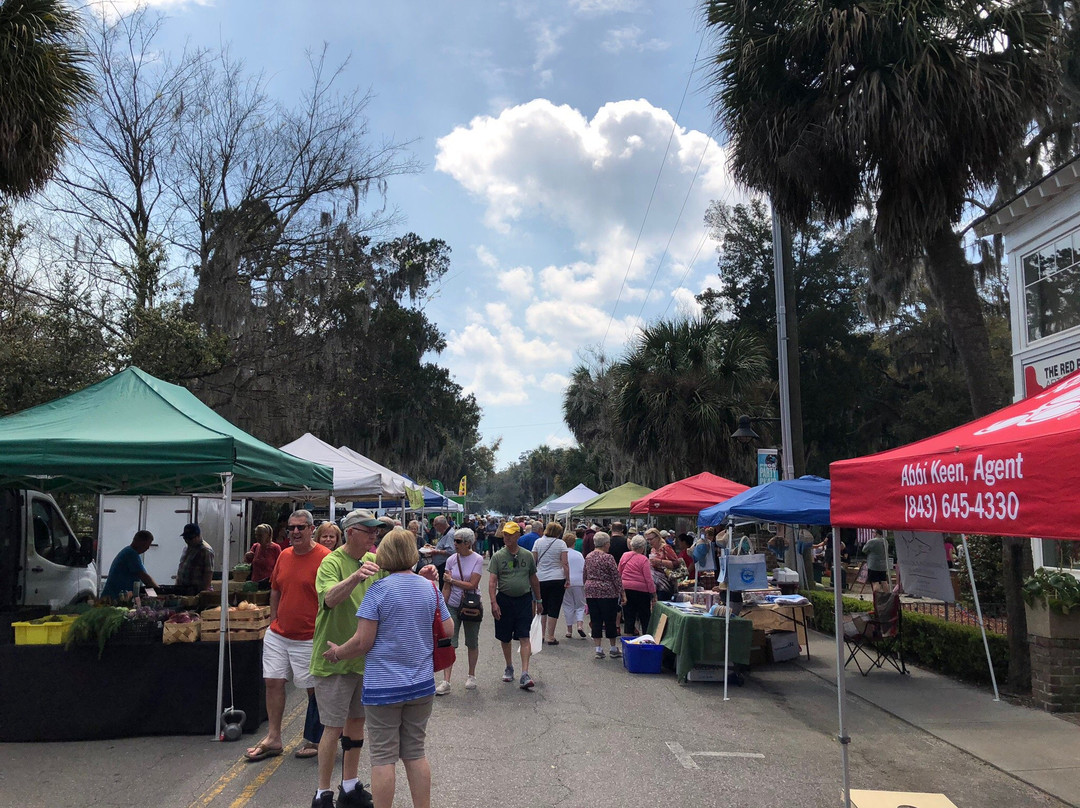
(1034, 746)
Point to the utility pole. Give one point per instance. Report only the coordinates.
(787, 351)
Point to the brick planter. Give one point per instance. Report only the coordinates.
(1055, 660)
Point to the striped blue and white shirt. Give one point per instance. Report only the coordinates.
(399, 666)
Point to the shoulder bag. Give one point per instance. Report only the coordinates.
(444, 655)
(471, 607)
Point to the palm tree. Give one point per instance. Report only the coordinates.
(44, 81)
(915, 104)
(679, 390)
(911, 106)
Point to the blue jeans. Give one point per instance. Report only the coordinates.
(312, 724)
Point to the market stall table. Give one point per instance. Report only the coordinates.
(696, 639)
(781, 617)
(53, 694)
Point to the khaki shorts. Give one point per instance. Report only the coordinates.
(338, 697)
(471, 628)
(397, 731)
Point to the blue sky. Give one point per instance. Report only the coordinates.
(541, 128)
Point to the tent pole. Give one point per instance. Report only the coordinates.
(978, 611)
(333, 509)
(841, 684)
(226, 496)
(727, 615)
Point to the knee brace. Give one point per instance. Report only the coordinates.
(348, 743)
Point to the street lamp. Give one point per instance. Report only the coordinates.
(745, 434)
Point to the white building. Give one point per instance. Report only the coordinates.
(1041, 231)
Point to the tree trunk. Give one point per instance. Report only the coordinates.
(952, 281)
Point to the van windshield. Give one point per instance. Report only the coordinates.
(53, 540)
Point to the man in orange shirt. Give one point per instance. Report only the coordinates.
(287, 644)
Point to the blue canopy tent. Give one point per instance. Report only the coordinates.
(804, 501)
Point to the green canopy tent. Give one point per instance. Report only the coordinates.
(135, 434)
(615, 502)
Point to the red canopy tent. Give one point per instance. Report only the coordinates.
(1008, 473)
(688, 496)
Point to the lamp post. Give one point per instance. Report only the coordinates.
(746, 435)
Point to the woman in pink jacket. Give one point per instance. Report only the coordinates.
(638, 586)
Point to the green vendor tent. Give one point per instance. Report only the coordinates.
(612, 503)
(135, 434)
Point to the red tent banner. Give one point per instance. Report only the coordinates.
(688, 496)
(1009, 473)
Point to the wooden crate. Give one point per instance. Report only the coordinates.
(233, 635)
(179, 632)
(247, 619)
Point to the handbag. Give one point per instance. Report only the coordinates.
(471, 607)
(444, 654)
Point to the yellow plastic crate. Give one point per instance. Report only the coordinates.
(52, 633)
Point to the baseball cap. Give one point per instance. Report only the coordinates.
(387, 521)
(512, 528)
(191, 529)
(359, 518)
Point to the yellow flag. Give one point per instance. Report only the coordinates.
(461, 486)
(416, 498)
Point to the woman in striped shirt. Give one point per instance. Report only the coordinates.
(394, 632)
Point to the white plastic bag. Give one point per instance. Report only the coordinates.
(536, 634)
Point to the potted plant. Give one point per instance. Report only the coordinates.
(1052, 599)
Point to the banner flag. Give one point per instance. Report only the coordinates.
(437, 487)
(416, 498)
(461, 486)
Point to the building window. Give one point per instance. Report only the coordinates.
(1063, 555)
(1052, 287)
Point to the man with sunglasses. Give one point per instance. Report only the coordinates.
(287, 644)
(514, 595)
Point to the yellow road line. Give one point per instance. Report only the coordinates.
(251, 788)
(240, 765)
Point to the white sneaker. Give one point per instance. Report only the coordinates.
(470, 683)
(442, 688)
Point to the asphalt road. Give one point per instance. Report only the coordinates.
(590, 735)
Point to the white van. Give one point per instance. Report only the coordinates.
(41, 560)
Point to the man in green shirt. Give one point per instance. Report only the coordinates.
(514, 594)
(343, 578)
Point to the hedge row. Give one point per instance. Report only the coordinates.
(951, 649)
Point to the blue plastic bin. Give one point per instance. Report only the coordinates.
(641, 658)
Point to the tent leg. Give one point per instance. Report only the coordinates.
(224, 624)
(978, 612)
(333, 509)
(727, 616)
(841, 684)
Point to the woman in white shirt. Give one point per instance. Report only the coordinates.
(462, 574)
(554, 575)
(574, 599)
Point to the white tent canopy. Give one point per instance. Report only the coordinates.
(350, 478)
(393, 485)
(575, 496)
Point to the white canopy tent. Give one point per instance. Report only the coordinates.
(393, 485)
(575, 496)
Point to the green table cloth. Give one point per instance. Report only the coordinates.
(696, 638)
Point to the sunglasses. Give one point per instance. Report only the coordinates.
(459, 541)
(300, 528)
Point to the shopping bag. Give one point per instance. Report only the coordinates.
(536, 635)
(746, 572)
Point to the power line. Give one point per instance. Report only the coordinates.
(652, 195)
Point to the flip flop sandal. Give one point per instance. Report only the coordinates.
(262, 752)
(580, 634)
(569, 636)
(308, 750)
(552, 642)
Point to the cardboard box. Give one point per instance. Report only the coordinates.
(758, 656)
(782, 646)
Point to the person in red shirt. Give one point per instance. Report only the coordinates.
(287, 644)
(263, 555)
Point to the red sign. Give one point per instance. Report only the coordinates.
(1013, 473)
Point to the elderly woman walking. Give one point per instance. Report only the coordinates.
(463, 572)
(574, 600)
(638, 584)
(394, 632)
(603, 594)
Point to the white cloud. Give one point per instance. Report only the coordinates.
(685, 303)
(603, 6)
(555, 382)
(547, 44)
(629, 38)
(112, 9)
(548, 175)
(556, 441)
